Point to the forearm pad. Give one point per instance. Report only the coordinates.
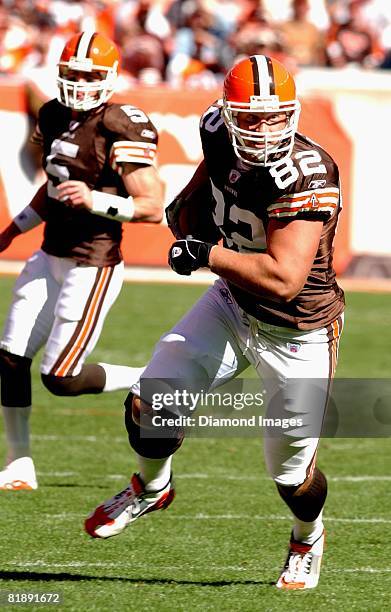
(27, 219)
(112, 206)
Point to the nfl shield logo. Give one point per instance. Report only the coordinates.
(176, 251)
(234, 175)
(293, 348)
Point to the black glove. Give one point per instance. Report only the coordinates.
(188, 255)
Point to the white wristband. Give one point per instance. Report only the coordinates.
(112, 206)
(27, 219)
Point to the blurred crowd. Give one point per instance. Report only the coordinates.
(194, 42)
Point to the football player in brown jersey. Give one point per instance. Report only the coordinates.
(272, 196)
(98, 157)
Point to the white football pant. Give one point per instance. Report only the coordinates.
(62, 305)
(216, 340)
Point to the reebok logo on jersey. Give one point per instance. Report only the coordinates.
(147, 133)
(176, 251)
(317, 184)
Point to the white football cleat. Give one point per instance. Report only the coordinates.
(115, 514)
(302, 566)
(19, 475)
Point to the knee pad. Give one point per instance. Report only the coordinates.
(15, 380)
(306, 500)
(59, 385)
(92, 379)
(151, 442)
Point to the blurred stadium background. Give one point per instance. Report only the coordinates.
(219, 557)
(175, 54)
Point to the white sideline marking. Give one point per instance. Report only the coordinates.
(121, 439)
(231, 517)
(121, 564)
(255, 478)
(203, 476)
(359, 478)
(134, 564)
(93, 439)
(58, 474)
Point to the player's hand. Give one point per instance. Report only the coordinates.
(188, 255)
(4, 243)
(7, 236)
(75, 194)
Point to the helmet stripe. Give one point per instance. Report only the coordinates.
(90, 44)
(270, 76)
(255, 68)
(262, 68)
(84, 45)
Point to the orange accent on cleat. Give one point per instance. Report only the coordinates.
(302, 566)
(16, 485)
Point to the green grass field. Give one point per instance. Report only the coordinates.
(222, 543)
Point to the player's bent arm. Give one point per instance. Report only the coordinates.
(31, 216)
(281, 272)
(144, 202)
(146, 188)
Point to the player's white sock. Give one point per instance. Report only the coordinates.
(155, 473)
(17, 431)
(308, 532)
(120, 377)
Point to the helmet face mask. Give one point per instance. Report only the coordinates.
(87, 71)
(263, 89)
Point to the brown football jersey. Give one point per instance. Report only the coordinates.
(304, 186)
(92, 148)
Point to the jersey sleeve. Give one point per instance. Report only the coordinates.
(132, 135)
(210, 122)
(313, 196)
(37, 137)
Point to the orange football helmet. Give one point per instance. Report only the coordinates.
(257, 85)
(94, 57)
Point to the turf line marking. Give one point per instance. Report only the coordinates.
(231, 517)
(58, 474)
(203, 476)
(149, 566)
(123, 439)
(362, 478)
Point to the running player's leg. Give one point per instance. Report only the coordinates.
(200, 352)
(297, 369)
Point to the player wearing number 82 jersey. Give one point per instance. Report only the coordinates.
(303, 186)
(272, 196)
